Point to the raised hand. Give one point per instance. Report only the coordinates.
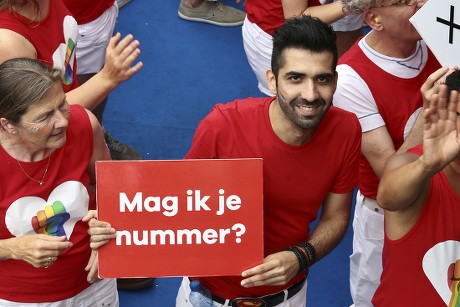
(119, 58)
(432, 84)
(441, 142)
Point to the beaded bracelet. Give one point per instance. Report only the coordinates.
(311, 252)
(300, 258)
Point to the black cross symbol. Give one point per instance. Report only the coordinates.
(450, 23)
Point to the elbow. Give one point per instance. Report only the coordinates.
(384, 198)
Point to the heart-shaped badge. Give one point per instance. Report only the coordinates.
(436, 264)
(66, 205)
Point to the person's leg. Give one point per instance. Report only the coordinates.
(101, 293)
(92, 43)
(298, 300)
(210, 11)
(366, 259)
(258, 47)
(99, 110)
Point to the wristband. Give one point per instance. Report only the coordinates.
(300, 258)
(311, 252)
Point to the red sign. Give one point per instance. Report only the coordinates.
(181, 218)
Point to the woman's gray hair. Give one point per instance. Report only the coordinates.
(8, 4)
(357, 7)
(23, 83)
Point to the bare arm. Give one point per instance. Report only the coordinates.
(405, 183)
(328, 13)
(377, 146)
(100, 150)
(120, 57)
(333, 223)
(13, 45)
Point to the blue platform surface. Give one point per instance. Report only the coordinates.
(189, 67)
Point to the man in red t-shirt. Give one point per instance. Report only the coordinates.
(310, 152)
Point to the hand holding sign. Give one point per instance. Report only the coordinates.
(209, 210)
(438, 22)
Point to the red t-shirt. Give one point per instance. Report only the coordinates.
(418, 268)
(22, 212)
(86, 11)
(54, 38)
(397, 100)
(297, 179)
(268, 14)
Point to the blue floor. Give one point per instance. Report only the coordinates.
(189, 67)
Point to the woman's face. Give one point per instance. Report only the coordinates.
(44, 124)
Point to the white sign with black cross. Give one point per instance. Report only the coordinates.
(438, 22)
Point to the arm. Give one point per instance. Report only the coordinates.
(328, 13)
(281, 267)
(377, 146)
(405, 183)
(333, 223)
(13, 45)
(100, 150)
(430, 87)
(39, 250)
(118, 67)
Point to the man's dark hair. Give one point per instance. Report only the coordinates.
(453, 81)
(305, 32)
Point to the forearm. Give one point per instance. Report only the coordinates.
(92, 92)
(328, 234)
(5, 249)
(400, 187)
(328, 13)
(294, 8)
(415, 136)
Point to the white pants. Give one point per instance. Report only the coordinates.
(99, 294)
(366, 259)
(298, 300)
(93, 40)
(258, 46)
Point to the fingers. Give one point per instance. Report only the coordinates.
(453, 106)
(101, 233)
(92, 268)
(433, 78)
(48, 261)
(277, 269)
(120, 57)
(52, 245)
(92, 214)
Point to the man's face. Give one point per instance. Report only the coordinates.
(395, 15)
(305, 86)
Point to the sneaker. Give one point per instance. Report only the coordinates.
(120, 151)
(121, 3)
(213, 12)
